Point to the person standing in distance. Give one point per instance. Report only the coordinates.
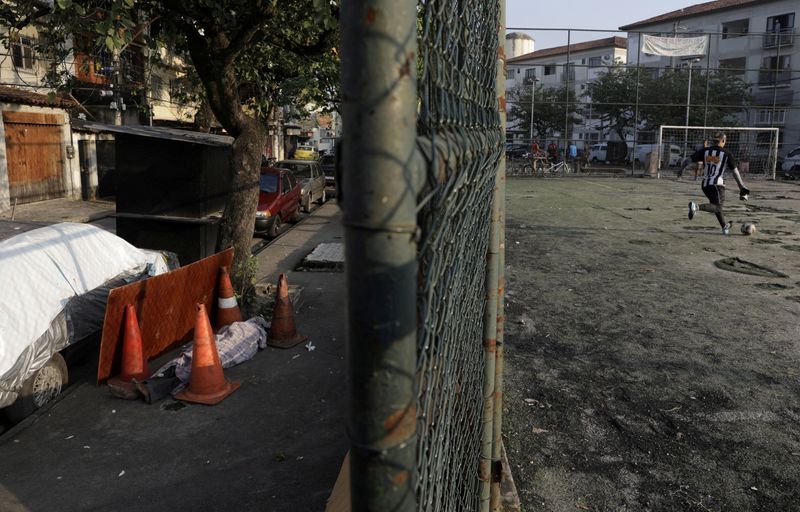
(716, 160)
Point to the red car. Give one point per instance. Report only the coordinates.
(278, 200)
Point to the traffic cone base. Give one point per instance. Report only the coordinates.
(211, 398)
(227, 308)
(134, 362)
(207, 382)
(286, 342)
(283, 331)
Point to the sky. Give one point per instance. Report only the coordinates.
(582, 14)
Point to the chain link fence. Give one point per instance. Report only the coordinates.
(423, 193)
(461, 126)
(603, 92)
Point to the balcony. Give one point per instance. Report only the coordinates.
(774, 78)
(783, 37)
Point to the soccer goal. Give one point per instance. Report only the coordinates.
(755, 149)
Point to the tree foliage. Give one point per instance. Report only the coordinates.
(553, 109)
(716, 98)
(244, 58)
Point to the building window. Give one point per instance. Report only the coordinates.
(530, 75)
(771, 117)
(550, 69)
(733, 67)
(736, 28)
(780, 31)
(595, 62)
(156, 87)
(22, 53)
(510, 74)
(775, 71)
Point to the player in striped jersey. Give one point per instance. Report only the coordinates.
(716, 160)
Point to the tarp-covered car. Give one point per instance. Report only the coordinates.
(54, 284)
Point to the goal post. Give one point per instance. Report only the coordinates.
(755, 149)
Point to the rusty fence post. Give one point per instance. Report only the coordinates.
(379, 100)
(497, 423)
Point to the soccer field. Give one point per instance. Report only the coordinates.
(645, 370)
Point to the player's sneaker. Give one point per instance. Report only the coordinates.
(727, 229)
(692, 209)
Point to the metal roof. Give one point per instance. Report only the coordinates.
(156, 132)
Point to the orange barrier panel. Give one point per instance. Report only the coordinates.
(165, 306)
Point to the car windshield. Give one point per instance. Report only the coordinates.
(268, 183)
(300, 171)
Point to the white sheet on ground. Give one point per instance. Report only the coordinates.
(41, 270)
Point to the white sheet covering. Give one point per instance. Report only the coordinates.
(41, 269)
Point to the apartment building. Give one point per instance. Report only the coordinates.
(754, 40)
(572, 66)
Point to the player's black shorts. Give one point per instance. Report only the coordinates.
(715, 194)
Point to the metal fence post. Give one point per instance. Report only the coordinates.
(497, 423)
(491, 414)
(379, 45)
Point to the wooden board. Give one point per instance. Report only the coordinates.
(165, 308)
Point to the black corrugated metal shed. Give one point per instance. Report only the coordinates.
(171, 187)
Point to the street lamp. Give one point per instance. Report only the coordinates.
(533, 80)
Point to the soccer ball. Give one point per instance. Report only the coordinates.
(748, 228)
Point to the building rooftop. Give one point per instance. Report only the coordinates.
(616, 42)
(693, 10)
(9, 94)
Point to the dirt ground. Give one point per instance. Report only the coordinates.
(640, 376)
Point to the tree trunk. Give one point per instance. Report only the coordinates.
(236, 227)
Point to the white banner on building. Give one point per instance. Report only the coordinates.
(674, 46)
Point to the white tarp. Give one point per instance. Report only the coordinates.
(674, 46)
(41, 270)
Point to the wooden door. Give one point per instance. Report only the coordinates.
(33, 154)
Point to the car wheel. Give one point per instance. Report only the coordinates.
(323, 198)
(39, 389)
(594, 160)
(275, 229)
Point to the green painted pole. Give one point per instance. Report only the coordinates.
(379, 45)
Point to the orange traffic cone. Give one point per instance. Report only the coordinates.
(207, 383)
(134, 362)
(227, 307)
(283, 332)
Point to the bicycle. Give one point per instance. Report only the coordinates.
(533, 165)
(559, 168)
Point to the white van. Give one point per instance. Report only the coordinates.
(670, 154)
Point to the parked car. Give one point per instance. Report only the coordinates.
(671, 155)
(614, 151)
(56, 280)
(515, 150)
(278, 200)
(328, 165)
(312, 181)
(306, 152)
(792, 161)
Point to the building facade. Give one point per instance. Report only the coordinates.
(572, 67)
(754, 40)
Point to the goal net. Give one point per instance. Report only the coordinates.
(755, 149)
